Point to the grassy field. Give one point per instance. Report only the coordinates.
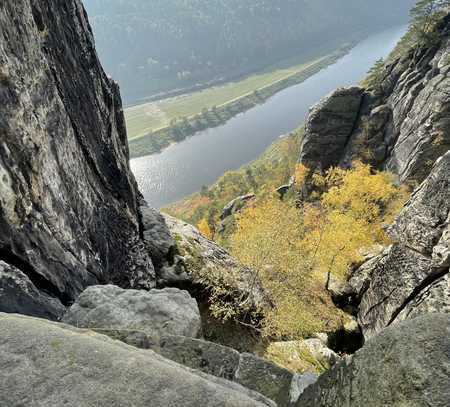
(150, 117)
(154, 126)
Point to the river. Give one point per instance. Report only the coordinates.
(183, 168)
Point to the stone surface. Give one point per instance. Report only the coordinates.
(18, 294)
(262, 376)
(328, 128)
(235, 205)
(272, 381)
(411, 276)
(209, 264)
(57, 365)
(156, 312)
(68, 200)
(401, 125)
(170, 269)
(208, 357)
(405, 365)
(299, 384)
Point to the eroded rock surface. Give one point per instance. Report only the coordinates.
(17, 292)
(328, 128)
(209, 264)
(68, 200)
(57, 365)
(401, 125)
(412, 276)
(405, 365)
(156, 312)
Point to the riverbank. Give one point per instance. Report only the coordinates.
(261, 176)
(185, 167)
(186, 115)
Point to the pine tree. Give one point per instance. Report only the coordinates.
(424, 16)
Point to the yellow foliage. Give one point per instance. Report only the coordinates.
(205, 229)
(300, 174)
(296, 251)
(270, 239)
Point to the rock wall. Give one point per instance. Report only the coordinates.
(403, 366)
(412, 276)
(69, 213)
(402, 126)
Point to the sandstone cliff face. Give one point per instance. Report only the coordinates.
(403, 366)
(411, 277)
(69, 213)
(402, 126)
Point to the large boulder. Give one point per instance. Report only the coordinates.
(156, 312)
(49, 364)
(19, 295)
(411, 276)
(265, 377)
(68, 200)
(255, 373)
(328, 128)
(405, 365)
(246, 369)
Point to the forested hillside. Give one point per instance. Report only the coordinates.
(161, 45)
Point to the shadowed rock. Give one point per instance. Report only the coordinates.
(18, 293)
(68, 200)
(405, 365)
(411, 276)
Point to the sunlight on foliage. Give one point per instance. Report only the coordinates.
(296, 250)
(205, 229)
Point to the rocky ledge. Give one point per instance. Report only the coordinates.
(411, 277)
(401, 125)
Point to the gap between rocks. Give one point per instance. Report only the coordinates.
(39, 281)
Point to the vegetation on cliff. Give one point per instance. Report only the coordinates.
(297, 250)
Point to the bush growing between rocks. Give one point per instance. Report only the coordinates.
(297, 250)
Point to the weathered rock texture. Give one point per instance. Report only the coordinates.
(68, 201)
(18, 292)
(412, 276)
(209, 265)
(156, 312)
(406, 365)
(278, 384)
(329, 126)
(50, 364)
(402, 126)
(169, 266)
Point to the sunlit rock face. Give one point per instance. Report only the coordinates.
(401, 126)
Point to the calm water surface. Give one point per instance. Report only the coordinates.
(183, 168)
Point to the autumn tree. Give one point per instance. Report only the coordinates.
(269, 239)
(375, 73)
(296, 251)
(205, 229)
